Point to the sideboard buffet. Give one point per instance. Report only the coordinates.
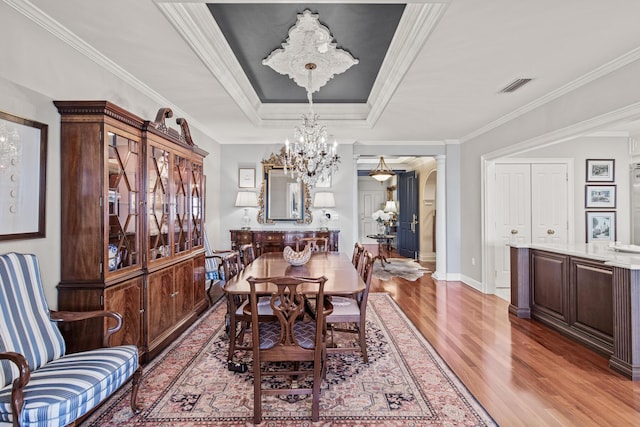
(275, 240)
(588, 292)
(131, 225)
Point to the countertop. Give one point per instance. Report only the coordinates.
(600, 251)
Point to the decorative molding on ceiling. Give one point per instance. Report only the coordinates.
(58, 30)
(611, 66)
(309, 56)
(198, 27)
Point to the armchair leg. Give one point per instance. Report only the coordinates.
(137, 377)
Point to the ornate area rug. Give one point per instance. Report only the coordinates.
(405, 383)
(399, 267)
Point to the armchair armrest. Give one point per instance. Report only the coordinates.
(17, 397)
(72, 316)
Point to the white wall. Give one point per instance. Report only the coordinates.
(251, 156)
(603, 147)
(585, 109)
(37, 69)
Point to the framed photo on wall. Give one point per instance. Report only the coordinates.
(600, 170)
(246, 178)
(23, 171)
(600, 196)
(601, 226)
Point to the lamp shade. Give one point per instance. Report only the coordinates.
(390, 206)
(246, 199)
(382, 172)
(324, 199)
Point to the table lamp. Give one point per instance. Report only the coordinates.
(246, 200)
(324, 200)
(392, 208)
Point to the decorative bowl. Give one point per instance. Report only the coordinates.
(297, 258)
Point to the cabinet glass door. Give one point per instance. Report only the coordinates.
(181, 194)
(197, 208)
(122, 197)
(158, 195)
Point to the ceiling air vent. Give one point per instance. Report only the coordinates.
(515, 85)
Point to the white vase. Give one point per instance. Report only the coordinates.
(382, 229)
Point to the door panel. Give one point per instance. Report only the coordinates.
(370, 201)
(408, 236)
(512, 215)
(549, 219)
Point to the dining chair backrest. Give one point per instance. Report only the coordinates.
(292, 338)
(356, 258)
(368, 261)
(231, 265)
(317, 244)
(248, 254)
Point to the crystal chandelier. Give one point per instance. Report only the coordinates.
(308, 50)
(310, 158)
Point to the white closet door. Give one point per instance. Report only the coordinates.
(549, 217)
(512, 215)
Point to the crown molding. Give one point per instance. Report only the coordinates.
(589, 77)
(197, 26)
(415, 27)
(61, 32)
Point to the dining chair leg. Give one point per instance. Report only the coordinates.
(362, 334)
(257, 395)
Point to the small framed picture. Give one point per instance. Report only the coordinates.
(600, 196)
(247, 178)
(600, 170)
(601, 226)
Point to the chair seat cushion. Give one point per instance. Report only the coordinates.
(67, 388)
(304, 332)
(343, 307)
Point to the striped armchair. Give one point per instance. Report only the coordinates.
(40, 385)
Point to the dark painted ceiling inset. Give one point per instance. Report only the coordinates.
(253, 31)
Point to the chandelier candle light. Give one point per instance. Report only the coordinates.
(309, 51)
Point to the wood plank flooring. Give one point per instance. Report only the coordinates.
(523, 373)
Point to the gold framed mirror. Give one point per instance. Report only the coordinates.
(282, 198)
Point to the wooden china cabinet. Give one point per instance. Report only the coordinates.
(132, 218)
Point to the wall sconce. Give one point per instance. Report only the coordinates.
(246, 199)
(324, 200)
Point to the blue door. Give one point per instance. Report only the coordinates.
(408, 228)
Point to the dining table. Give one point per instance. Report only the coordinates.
(342, 277)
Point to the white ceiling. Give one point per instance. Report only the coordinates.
(448, 90)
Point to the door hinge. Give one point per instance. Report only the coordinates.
(101, 268)
(102, 301)
(100, 136)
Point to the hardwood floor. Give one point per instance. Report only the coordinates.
(523, 373)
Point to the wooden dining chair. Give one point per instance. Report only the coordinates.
(292, 337)
(352, 312)
(356, 258)
(248, 254)
(318, 244)
(231, 265)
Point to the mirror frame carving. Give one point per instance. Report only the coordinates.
(275, 161)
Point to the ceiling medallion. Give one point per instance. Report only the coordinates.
(311, 60)
(309, 42)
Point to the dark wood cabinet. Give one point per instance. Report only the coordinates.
(131, 224)
(275, 240)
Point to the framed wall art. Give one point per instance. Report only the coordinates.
(600, 170)
(600, 196)
(246, 178)
(601, 226)
(23, 161)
